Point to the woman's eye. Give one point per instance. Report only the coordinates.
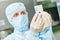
(16, 14)
(22, 12)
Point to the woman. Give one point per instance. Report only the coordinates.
(18, 17)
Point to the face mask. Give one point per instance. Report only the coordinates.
(20, 23)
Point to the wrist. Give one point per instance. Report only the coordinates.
(34, 31)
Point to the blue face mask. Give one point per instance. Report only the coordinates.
(20, 23)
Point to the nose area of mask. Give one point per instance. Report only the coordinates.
(20, 20)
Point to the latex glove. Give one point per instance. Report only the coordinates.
(40, 22)
(36, 23)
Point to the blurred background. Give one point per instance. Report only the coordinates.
(51, 6)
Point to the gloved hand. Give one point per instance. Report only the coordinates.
(36, 23)
(40, 22)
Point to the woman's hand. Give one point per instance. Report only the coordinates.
(37, 23)
(40, 22)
